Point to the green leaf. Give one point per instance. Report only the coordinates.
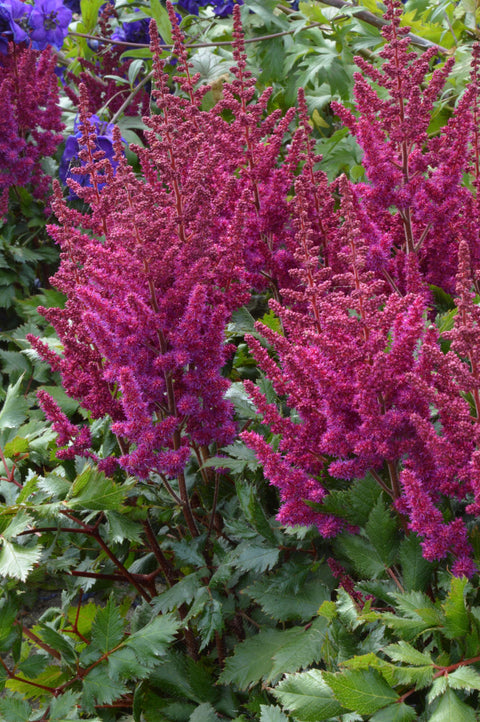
(271, 714)
(381, 530)
(286, 602)
(17, 561)
(19, 523)
(301, 648)
(33, 665)
(308, 697)
(363, 555)
(14, 709)
(181, 677)
(152, 641)
(92, 490)
(456, 613)
(248, 498)
(180, 593)
(204, 713)
(121, 527)
(18, 445)
(452, 708)
(404, 652)
(107, 627)
(160, 16)
(60, 642)
(464, 678)
(255, 556)
(416, 571)
(15, 407)
(99, 688)
(395, 713)
(64, 707)
(252, 659)
(361, 691)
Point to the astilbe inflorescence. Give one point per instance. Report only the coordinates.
(414, 205)
(30, 119)
(155, 266)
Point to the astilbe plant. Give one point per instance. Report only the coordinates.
(30, 119)
(155, 266)
(358, 360)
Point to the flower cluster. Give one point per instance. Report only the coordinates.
(43, 23)
(358, 362)
(30, 120)
(153, 271)
(221, 8)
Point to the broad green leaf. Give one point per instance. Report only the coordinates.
(292, 602)
(20, 522)
(395, 713)
(248, 498)
(160, 16)
(456, 614)
(107, 627)
(255, 556)
(14, 709)
(361, 691)
(302, 647)
(363, 555)
(99, 688)
(204, 713)
(15, 407)
(452, 708)
(381, 530)
(404, 652)
(179, 676)
(416, 571)
(61, 642)
(180, 593)
(271, 714)
(33, 665)
(17, 561)
(64, 707)
(121, 527)
(92, 490)
(152, 641)
(52, 676)
(252, 659)
(307, 697)
(18, 445)
(464, 678)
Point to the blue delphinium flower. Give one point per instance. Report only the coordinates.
(49, 21)
(70, 159)
(14, 16)
(74, 6)
(223, 9)
(136, 31)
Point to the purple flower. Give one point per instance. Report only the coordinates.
(74, 6)
(223, 9)
(70, 158)
(136, 31)
(49, 21)
(14, 16)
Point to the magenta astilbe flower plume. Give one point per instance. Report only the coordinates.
(154, 269)
(414, 202)
(30, 120)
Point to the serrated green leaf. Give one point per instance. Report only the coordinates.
(271, 714)
(20, 522)
(123, 664)
(152, 641)
(381, 530)
(64, 706)
(456, 613)
(464, 678)
(18, 445)
(180, 593)
(416, 571)
(255, 556)
(285, 601)
(52, 677)
(363, 555)
(248, 498)
(99, 688)
(301, 648)
(15, 407)
(308, 697)
(395, 713)
(404, 652)
(438, 688)
(204, 713)
(252, 659)
(107, 628)
(17, 561)
(181, 677)
(452, 708)
(121, 527)
(92, 490)
(14, 709)
(33, 665)
(60, 642)
(361, 691)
